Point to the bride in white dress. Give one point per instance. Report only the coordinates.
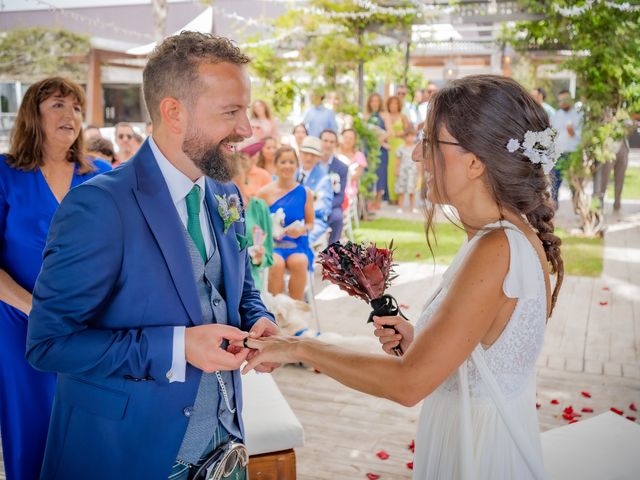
(487, 151)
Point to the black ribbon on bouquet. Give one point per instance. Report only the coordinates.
(387, 306)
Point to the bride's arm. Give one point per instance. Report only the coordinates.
(458, 325)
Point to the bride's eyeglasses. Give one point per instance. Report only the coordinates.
(422, 138)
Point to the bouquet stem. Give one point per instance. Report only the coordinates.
(387, 306)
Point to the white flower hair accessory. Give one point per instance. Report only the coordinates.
(538, 147)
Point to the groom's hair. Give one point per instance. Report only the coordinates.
(172, 68)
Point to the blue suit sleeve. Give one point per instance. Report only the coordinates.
(338, 198)
(325, 205)
(80, 269)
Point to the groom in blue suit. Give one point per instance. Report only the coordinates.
(145, 281)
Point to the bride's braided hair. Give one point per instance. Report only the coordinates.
(483, 112)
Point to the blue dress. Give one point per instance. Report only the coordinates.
(381, 170)
(292, 205)
(27, 206)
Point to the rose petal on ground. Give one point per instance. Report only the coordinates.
(633, 419)
(632, 406)
(586, 394)
(606, 289)
(604, 304)
(572, 421)
(587, 410)
(568, 410)
(382, 455)
(554, 402)
(412, 445)
(410, 465)
(373, 476)
(616, 410)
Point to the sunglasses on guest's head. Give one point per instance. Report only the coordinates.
(121, 136)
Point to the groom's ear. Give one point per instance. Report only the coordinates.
(173, 116)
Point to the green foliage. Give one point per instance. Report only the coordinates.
(276, 83)
(33, 53)
(582, 256)
(605, 46)
(369, 143)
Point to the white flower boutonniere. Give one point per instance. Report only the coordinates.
(229, 209)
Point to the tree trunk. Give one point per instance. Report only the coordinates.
(592, 218)
(407, 57)
(360, 77)
(159, 19)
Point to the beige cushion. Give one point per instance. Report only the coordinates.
(270, 424)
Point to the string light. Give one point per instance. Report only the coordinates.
(576, 10)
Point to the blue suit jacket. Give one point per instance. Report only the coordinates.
(342, 171)
(115, 280)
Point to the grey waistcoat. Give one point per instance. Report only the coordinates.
(209, 407)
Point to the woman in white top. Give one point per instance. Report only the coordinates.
(487, 150)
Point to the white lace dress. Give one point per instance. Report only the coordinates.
(481, 423)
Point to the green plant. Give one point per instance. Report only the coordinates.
(34, 53)
(605, 55)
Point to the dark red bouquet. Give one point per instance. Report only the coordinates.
(363, 271)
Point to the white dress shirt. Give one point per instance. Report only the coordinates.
(565, 142)
(179, 187)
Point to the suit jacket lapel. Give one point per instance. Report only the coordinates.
(228, 245)
(158, 209)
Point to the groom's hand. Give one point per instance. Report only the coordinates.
(202, 347)
(263, 328)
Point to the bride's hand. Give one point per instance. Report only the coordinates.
(391, 339)
(272, 349)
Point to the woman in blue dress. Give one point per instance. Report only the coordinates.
(374, 117)
(291, 242)
(45, 160)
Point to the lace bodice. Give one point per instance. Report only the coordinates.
(513, 355)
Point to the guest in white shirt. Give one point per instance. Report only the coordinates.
(568, 122)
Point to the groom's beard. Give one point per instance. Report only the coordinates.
(212, 159)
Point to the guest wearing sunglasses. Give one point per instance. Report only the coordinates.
(125, 142)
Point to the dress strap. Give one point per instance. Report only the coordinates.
(514, 428)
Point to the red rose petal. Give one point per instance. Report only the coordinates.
(606, 289)
(372, 476)
(615, 410)
(538, 405)
(587, 410)
(410, 465)
(412, 445)
(586, 394)
(568, 410)
(382, 455)
(603, 304)
(572, 421)
(632, 406)
(633, 419)
(567, 416)
(554, 402)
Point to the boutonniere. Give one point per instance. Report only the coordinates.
(229, 209)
